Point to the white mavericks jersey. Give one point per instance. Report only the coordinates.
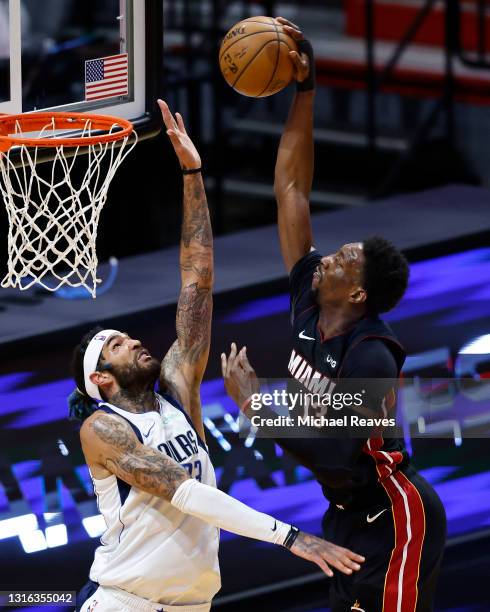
(150, 548)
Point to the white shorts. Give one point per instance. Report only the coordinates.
(108, 599)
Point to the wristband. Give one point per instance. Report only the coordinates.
(304, 46)
(291, 537)
(191, 171)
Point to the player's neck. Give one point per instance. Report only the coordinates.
(336, 321)
(137, 401)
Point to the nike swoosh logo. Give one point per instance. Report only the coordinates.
(149, 431)
(275, 526)
(371, 519)
(303, 337)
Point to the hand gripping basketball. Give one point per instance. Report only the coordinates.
(184, 148)
(254, 57)
(304, 61)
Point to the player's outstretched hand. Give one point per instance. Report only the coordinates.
(184, 147)
(300, 61)
(326, 554)
(240, 378)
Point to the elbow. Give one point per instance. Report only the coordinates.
(283, 189)
(206, 281)
(198, 268)
(208, 278)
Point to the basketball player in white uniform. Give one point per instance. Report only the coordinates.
(146, 451)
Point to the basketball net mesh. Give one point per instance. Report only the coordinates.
(53, 217)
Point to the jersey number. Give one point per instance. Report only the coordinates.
(195, 469)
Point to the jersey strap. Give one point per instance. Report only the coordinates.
(109, 410)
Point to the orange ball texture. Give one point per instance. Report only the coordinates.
(254, 57)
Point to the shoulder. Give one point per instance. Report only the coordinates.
(102, 427)
(371, 357)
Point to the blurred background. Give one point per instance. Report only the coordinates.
(402, 134)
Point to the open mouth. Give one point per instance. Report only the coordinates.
(144, 354)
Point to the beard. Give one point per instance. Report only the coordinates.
(136, 376)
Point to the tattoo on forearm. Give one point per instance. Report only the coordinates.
(194, 312)
(152, 471)
(195, 301)
(194, 309)
(196, 225)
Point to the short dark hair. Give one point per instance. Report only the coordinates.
(80, 404)
(385, 274)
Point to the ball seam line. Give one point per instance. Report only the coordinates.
(277, 62)
(240, 40)
(245, 68)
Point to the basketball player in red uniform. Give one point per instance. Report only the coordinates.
(379, 505)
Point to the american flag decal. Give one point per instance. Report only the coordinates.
(106, 77)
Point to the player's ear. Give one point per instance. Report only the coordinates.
(102, 378)
(358, 296)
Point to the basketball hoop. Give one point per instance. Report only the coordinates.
(54, 207)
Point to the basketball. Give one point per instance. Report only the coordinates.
(254, 57)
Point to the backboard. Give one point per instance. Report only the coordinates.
(102, 56)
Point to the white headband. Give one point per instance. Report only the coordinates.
(91, 357)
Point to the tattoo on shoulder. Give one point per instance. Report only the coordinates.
(114, 431)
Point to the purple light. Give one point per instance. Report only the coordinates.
(259, 308)
(449, 279)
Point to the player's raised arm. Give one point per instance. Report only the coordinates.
(183, 366)
(295, 158)
(111, 447)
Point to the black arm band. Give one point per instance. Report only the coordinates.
(291, 537)
(192, 171)
(304, 46)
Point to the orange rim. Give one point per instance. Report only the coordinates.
(30, 122)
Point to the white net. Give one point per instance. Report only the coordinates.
(54, 208)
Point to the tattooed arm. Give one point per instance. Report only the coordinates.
(183, 366)
(110, 447)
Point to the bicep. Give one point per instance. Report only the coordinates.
(295, 233)
(111, 442)
(300, 280)
(184, 364)
(193, 324)
(172, 380)
(184, 389)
